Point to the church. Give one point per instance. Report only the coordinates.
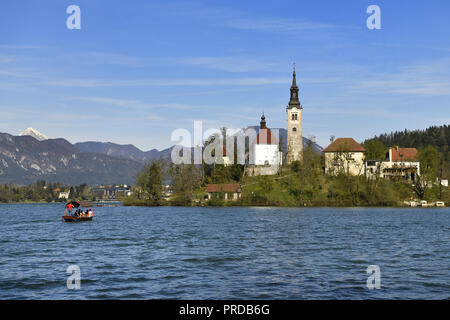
(266, 148)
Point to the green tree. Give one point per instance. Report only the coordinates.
(150, 182)
(375, 150)
(185, 179)
(429, 163)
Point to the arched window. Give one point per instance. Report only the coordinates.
(294, 129)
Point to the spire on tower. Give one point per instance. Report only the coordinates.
(263, 122)
(294, 101)
(294, 81)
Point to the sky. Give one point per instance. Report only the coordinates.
(138, 70)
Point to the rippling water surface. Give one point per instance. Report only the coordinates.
(225, 253)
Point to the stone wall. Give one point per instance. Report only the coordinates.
(267, 170)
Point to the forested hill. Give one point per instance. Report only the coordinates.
(437, 136)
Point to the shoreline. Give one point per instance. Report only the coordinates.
(232, 206)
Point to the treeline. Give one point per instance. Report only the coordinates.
(437, 136)
(42, 191)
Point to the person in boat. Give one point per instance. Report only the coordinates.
(69, 208)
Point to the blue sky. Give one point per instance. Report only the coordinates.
(137, 70)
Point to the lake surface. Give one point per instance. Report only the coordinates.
(225, 253)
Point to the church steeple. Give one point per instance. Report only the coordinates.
(294, 102)
(263, 122)
(294, 125)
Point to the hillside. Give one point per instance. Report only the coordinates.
(124, 151)
(24, 160)
(437, 136)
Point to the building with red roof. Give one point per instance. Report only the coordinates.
(344, 145)
(265, 156)
(344, 156)
(401, 163)
(224, 191)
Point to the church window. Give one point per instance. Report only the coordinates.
(294, 129)
(294, 116)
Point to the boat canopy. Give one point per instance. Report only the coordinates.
(75, 204)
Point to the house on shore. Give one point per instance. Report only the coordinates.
(344, 156)
(64, 195)
(111, 192)
(444, 180)
(401, 163)
(224, 191)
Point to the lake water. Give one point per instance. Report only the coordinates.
(225, 253)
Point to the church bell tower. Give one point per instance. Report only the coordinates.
(294, 125)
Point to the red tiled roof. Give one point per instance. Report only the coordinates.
(235, 187)
(344, 145)
(265, 137)
(404, 154)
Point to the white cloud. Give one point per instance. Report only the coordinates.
(249, 81)
(278, 25)
(113, 58)
(6, 59)
(15, 46)
(238, 19)
(427, 78)
(126, 103)
(232, 64)
(135, 104)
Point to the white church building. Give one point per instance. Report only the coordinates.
(265, 157)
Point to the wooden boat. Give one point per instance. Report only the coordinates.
(83, 217)
(80, 216)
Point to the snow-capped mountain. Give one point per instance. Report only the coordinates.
(34, 133)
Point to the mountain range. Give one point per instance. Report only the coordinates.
(129, 151)
(24, 160)
(32, 156)
(124, 151)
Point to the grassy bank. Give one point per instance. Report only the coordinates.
(295, 189)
